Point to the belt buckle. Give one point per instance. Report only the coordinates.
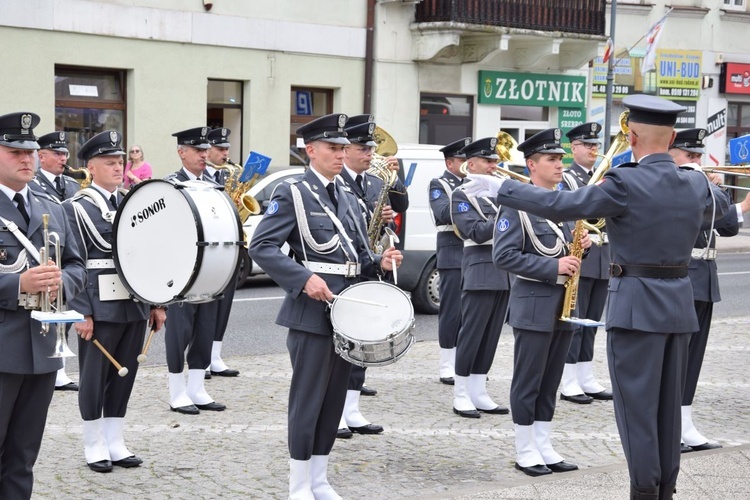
(615, 270)
(351, 269)
(31, 301)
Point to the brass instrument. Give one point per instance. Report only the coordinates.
(738, 171)
(507, 149)
(386, 148)
(499, 171)
(82, 175)
(246, 204)
(53, 240)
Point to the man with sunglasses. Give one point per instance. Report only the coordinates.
(578, 384)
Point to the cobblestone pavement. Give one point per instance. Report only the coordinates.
(426, 451)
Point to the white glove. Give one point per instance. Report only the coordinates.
(482, 185)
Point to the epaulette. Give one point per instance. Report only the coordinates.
(46, 196)
(630, 164)
(293, 180)
(346, 188)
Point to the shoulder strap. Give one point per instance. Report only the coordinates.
(30, 248)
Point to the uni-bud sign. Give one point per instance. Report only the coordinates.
(532, 89)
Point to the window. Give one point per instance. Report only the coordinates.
(224, 103)
(88, 101)
(307, 103)
(444, 118)
(734, 4)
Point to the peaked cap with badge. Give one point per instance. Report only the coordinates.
(588, 132)
(453, 150)
(17, 130)
(219, 137)
(361, 134)
(105, 143)
(652, 110)
(481, 148)
(690, 140)
(546, 142)
(196, 137)
(328, 128)
(359, 120)
(55, 141)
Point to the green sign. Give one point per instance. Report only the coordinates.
(568, 118)
(530, 89)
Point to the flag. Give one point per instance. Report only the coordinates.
(652, 39)
(607, 51)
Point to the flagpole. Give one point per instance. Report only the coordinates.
(610, 77)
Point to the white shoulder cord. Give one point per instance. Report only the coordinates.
(337, 223)
(538, 246)
(304, 228)
(82, 217)
(23, 259)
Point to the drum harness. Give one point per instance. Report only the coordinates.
(85, 223)
(475, 203)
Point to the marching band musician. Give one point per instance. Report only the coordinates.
(650, 312)
(191, 326)
(536, 250)
(111, 316)
(448, 253)
(319, 220)
(51, 162)
(484, 289)
(579, 385)
(219, 155)
(367, 188)
(688, 148)
(27, 372)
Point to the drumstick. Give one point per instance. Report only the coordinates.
(343, 297)
(121, 371)
(142, 356)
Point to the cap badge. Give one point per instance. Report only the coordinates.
(558, 134)
(25, 123)
(371, 128)
(493, 142)
(62, 137)
(370, 118)
(593, 127)
(701, 134)
(204, 132)
(223, 132)
(113, 137)
(342, 121)
(467, 141)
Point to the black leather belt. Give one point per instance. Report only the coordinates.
(636, 271)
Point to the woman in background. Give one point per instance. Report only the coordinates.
(137, 169)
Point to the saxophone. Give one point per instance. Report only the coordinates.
(379, 167)
(571, 284)
(236, 190)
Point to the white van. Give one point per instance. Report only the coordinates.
(415, 228)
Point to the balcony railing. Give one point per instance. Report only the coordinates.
(568, 16)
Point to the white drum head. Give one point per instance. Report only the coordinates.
(370, 323)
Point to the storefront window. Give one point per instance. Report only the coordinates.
(307, 103)
(88, 101)
(224, 102)
(444, 118)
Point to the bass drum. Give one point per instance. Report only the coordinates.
(376, 327)
(176, 242)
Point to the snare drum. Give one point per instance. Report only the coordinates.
(371, 335)
(176, 242)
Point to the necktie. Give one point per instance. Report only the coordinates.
(58, 185)
(113, 201)
(332, 194)
(217, 176)
(358, 180)
(18, 198)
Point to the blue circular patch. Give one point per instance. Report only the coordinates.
(435, 194)
(560, 186)
(463, 207)
(273, 207)
(503, 225)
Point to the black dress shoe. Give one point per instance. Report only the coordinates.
(601, 396)
(70, 386)
(706, 446)
(562, 466)
(368, 391)
(344, 433)
(187, 410)
(101, 466)
(128, 462)
(226, 373)
(367, 429)
(467, 413)
(212, 406)
(580, 399)
(207, 376)
(534, 470)
(447, 380)
(498, 410)
(685, 448)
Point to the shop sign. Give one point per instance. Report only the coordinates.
(567, 119)
(678, 74)
(686, 119)
(716, 122)
(735, 78)
(622, 71)
(530, 89)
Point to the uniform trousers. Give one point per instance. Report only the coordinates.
(648, 371)
(224, 308)
(102, 392)
(697, 350)
(357, 378)
(591, 298)
(190, 326)
(482, 317)
(449, 314)
(24, 401)
(316, 395)
(538, 360)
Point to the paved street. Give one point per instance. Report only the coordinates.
(425, 452)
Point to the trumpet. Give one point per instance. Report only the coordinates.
(738, 171)
(246, 204)
(53, 240)
(498, 171)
